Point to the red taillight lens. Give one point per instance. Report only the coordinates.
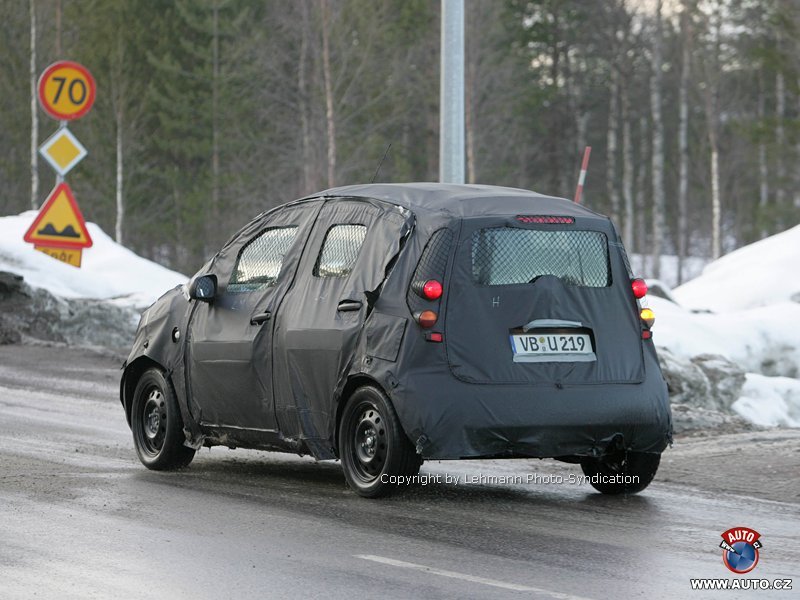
(427, 319)
(639, 287)
(432, 290)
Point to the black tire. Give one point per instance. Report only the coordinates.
(372, 444)
(156, 424)
(641, 465)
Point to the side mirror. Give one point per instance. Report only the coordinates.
(203, 288)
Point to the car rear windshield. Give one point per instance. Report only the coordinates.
(510, 255)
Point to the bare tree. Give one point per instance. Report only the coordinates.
(469, 116)
(215, 83)
(658, 144)
(120, 198)
(711, 96)
(627, 170)
(683, 134)
(302, 99)
(34, 114)
(640, 201)
(763, 172)
(611, 143)
(797, 154)
(329, 114)
(780, 138)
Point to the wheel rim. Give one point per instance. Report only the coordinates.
(368, 442)
(152, 428)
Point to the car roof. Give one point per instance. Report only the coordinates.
(463, 200)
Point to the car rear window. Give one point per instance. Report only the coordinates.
(510, 255)
(340, 250)
(260, 261)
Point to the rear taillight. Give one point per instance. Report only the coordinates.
(430, 290)
(648, 317)
(426, 318)
(639, 287)
(425, 294)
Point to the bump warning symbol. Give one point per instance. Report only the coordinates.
(59, 223)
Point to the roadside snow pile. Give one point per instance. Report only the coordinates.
(761, 274)
(770, 401)
(42, 299)
(109, 271)
(762, 340)
(34, 315)
(755, 295)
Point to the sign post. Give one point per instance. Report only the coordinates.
(66, 92)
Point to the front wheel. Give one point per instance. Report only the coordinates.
(372, 445)
(156, 424)
(622, 473)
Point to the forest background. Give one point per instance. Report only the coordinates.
(209, 112)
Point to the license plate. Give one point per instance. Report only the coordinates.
(552, 347)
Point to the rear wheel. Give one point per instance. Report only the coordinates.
(156, 424)
(621, 473)
(372, 445)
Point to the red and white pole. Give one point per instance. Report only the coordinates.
(582, 176)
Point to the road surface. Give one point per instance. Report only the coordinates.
(81, 518)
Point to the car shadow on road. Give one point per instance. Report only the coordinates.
(265, 475)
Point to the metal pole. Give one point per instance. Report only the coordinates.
(451, 105)
(582, 177)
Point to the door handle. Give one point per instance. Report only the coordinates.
(261, 318)
(349, 305)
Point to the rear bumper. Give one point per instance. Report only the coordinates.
(462, 420)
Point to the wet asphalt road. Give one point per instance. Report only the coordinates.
(81, 518)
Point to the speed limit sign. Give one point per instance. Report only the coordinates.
(66, 90)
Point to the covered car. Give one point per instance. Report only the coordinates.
(386, 324)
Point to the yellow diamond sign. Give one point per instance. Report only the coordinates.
(63, 151)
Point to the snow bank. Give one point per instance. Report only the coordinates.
(770, 401)
(109, 270)
(761, 274)
(762, 340)
(745, 307)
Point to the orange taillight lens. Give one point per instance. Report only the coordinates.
(426, 319)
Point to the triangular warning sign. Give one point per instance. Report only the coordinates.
(59, 223)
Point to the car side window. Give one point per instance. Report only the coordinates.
(340, 250)
(260, 261)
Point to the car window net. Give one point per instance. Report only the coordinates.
(260, 261)
(509, 255)
(340, 250)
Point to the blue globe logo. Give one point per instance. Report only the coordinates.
(743, 559)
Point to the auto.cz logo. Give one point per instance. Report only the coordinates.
(740, 547)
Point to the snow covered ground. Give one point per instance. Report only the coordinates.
(109, 271)
(762, 274)
(770, 401)
(746, 307)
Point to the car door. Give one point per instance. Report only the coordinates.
(349, 249)
(229, 356)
